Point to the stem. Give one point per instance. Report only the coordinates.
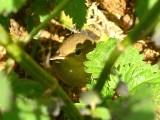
(106, 70)
(45, 22)
(140, 30)
(38, 73)
(144, 27)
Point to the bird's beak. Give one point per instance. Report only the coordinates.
(57, 57)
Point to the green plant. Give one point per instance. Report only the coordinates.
(121, 83)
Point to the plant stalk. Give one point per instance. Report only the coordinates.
(38, 73)
(141, 30)
(34, 32)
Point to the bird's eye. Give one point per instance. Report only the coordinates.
(78, 52)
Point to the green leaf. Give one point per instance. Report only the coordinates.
(37, 12)
(101, 113)
(4, 37)
(40, 8)
(4, 21)
(27, 109)
(129, 68)
(99, 56)
(26, 87)
(5, 93)
(8, 6)
(156, 93)
(134, 70)
(130, 56)
(138, 107)
(77, 10)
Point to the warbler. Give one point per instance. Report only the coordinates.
(68, 61)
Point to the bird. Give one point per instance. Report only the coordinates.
(68, 60)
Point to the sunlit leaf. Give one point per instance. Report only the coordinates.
(8, 6)
(5, 93)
